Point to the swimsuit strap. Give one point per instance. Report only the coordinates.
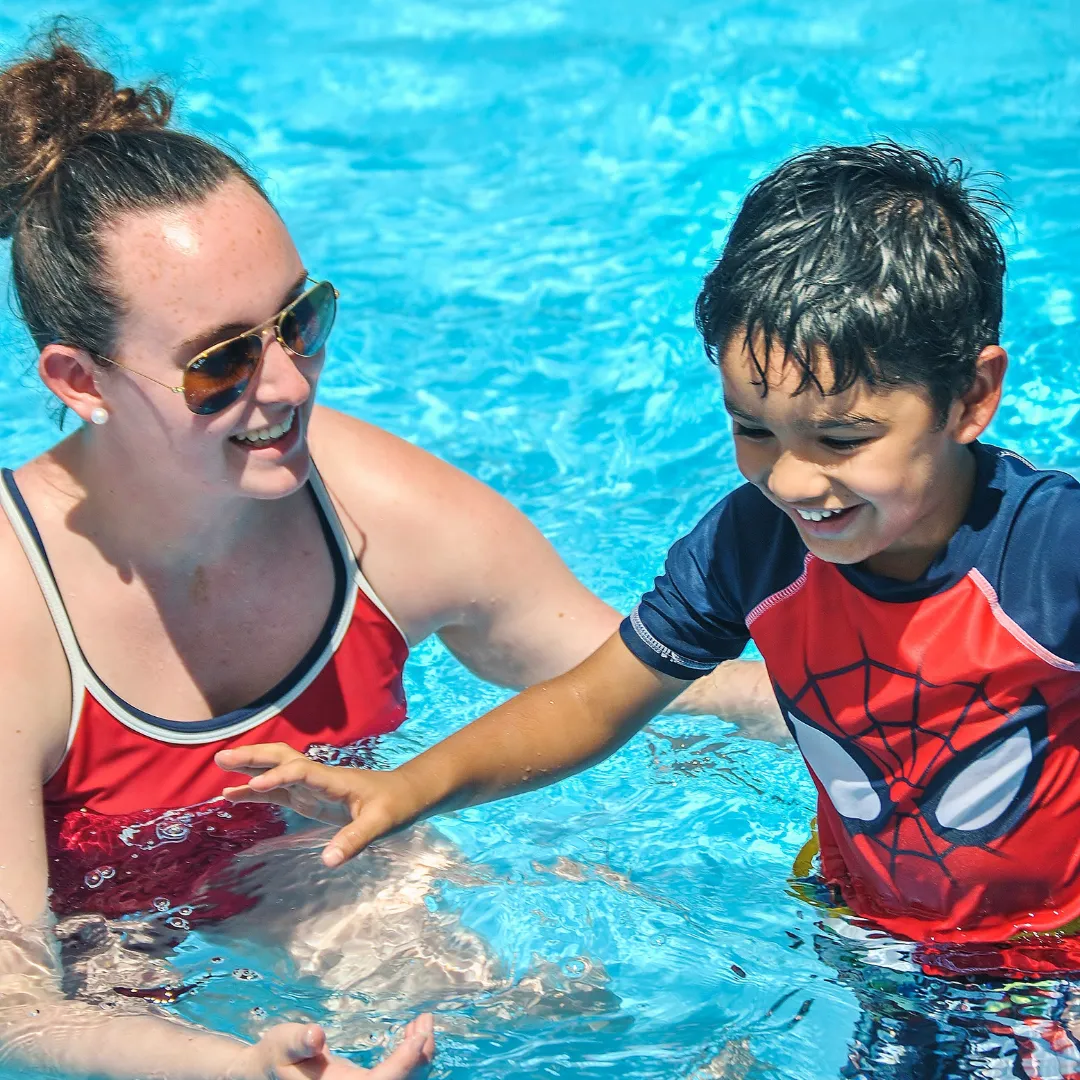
(348, 580)
(333, 522)
(24, 527)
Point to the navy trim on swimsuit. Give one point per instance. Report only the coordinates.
(299, 672)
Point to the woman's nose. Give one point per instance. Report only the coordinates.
(280, 378)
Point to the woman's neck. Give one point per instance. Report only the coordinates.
(153, 524)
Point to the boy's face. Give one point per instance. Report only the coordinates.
(865, 474)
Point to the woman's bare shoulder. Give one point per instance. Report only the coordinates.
(34, 679)
(430, 538)
(375, 472)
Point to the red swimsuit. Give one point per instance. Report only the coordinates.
(109, 853)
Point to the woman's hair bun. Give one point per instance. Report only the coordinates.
(50, 102)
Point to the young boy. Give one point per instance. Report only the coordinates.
(913, 591)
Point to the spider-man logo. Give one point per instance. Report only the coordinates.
(945, 745)
(912, 786)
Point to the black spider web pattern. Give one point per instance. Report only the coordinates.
(892, 762)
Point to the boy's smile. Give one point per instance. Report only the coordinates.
(867, 475)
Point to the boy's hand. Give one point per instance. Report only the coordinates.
(298, 1052)
(368, 803)
(547, 732)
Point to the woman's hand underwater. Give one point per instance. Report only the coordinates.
(298, 1052)
(368, 803)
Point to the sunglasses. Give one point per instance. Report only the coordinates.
(218, 376)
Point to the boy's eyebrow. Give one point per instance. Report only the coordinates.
(844, 420)
(736, 411)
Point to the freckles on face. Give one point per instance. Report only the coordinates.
(189, 277)
(226, 262)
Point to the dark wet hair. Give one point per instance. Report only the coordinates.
(77, 151)
(883, 255)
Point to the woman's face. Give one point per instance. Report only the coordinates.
(187, 278)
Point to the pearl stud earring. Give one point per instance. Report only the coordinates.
(99, 415)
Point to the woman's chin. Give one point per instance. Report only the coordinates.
(275, 480)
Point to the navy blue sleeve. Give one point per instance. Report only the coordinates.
(692, 619)
(1038, 579)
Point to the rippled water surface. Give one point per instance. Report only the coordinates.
(517, 199)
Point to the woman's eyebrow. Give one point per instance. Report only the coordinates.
(205, 338)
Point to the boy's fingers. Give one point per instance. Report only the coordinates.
(356, 836)
(244, 794)
(298, 771)
(259, 756)
(247, 770)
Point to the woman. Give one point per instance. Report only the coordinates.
(180, 557)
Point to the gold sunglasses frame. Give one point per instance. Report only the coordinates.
(274, 321)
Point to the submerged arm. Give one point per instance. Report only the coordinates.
(40, 1028)
(43, 1030)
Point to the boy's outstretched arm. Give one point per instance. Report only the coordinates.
(547, 732)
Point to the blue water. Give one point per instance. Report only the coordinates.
(517, 199)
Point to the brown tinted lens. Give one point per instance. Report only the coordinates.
(306, 324)
(217, 378)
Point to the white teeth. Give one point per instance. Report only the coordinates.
(817, 515)
(275, 431)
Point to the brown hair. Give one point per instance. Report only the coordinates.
(76, 151)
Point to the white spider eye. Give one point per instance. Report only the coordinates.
(845, 781)
(986, 788)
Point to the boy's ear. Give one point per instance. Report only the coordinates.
(72, 376)
(973, 411)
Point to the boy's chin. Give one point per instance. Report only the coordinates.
(843, 552)
(829, 553)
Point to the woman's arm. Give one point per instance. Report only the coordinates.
(448, 555)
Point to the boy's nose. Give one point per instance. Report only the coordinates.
(794, 480)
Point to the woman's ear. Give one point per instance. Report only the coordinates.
(973, 411)
(71, 374)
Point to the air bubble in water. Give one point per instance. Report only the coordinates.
(177, 923)
(96, 878)
(173, 832)
(161, 903)
(246, 974)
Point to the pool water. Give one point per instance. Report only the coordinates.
(517, 200)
